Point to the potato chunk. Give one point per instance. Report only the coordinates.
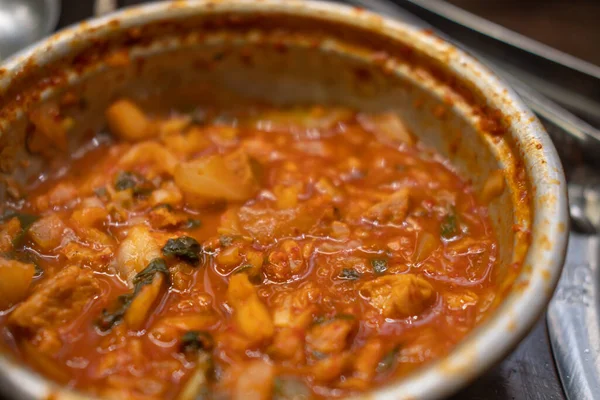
(217, 177)
(9, 231)
(136, 252)
(127, 121)
(15, 278)
(57, 301)
(251, 316)
(398, 296)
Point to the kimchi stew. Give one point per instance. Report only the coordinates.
(296, 253)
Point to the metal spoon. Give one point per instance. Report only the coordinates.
(24, 22)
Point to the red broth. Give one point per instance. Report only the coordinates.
(312, 252)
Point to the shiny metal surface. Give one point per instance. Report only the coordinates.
(24, 22)
(574, 312)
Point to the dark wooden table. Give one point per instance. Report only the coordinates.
(528, 373)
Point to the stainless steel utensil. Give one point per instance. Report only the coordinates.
(574, 312)
(24, 22)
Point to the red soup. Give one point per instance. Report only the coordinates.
(270, 253)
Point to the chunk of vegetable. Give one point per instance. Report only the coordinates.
(285, 262)
(288, 344)
(332, 336)
(135, 306)
(398, 296)
(330, 368)
(392, 209)
(140, 306)
(127, 121)
(288, 388)
(251, 316)
(10, 232)
(295, 309)
(15, 279)
(388, 127)
(157, 156)
(255, 382)
(196, 386)
(426, 245)
(136, 252)
(367, 359)
(217, 177)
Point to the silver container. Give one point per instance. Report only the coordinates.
(290, 52)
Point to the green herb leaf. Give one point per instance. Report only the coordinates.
(349, 274)
(38, 270)
(167, 207)
(191, 224)
(347, 317)
(144, 277)
(26, 220)
(449, 226)
(130, 180)
(225, 240)
(110, 318)
(185, 248)
(388, 360)
(101, 192)
(242, 269)
(379, 265)
(193, 341)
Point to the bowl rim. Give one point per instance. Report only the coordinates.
(549, 226)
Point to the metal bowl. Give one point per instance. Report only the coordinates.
(285, 52)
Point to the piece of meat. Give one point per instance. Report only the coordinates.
(398, 296)
(56, 301)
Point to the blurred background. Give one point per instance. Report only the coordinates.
(571, 26)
